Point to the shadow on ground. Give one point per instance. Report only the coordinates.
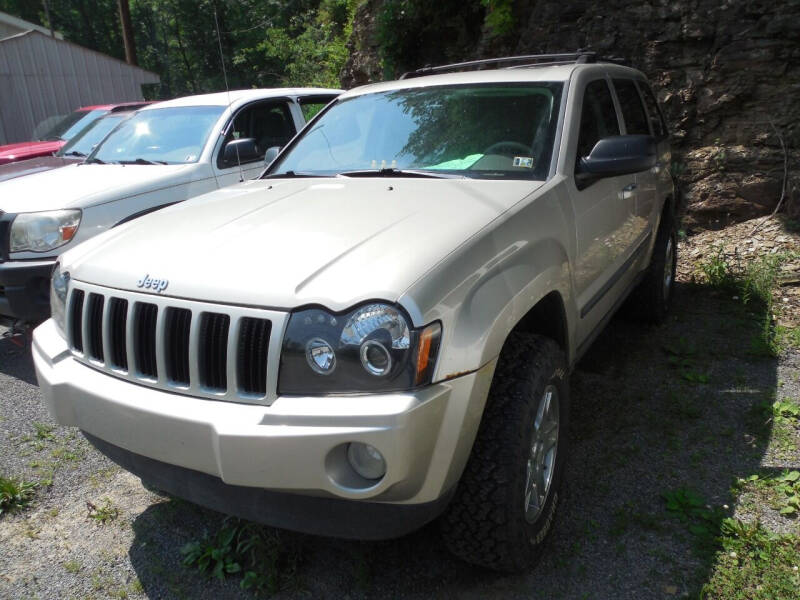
(655, 410)
(15, 357)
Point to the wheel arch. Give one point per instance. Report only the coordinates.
(548, 317)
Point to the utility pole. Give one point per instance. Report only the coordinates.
(127, 32)
(49, 20)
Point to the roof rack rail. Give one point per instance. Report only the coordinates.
(526, 60)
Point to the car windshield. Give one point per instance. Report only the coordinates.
(73, 123)
(83, 143)
(174, 135)
(495, 131)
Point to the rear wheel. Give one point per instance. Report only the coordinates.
(652, 298)
(505, 502)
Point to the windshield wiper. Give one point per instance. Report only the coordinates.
(293, 174)
(95, 160)
(392, 172)
(142, 161)
(74, 153)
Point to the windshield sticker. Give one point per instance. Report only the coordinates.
(523, 161)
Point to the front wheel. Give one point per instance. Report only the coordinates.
(505, 502)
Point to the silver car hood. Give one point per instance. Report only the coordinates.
(286, 243)
(83, 185)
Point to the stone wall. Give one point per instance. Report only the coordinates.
(726, 72)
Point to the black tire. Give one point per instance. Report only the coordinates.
(650, 302)
(486, 522)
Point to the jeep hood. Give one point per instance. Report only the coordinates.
(285, 243)
(83, 185)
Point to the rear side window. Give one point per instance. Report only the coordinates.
(632, 108)
(656, 119)
(598, 117)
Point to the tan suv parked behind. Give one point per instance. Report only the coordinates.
(379, 330)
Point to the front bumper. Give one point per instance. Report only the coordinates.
(295, 445)
(25, 289)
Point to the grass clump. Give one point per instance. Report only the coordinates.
(754, 283)
(104, 513)
(255, 553)
(753, 563)
(15, 494)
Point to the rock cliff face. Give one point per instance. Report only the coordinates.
(726, 72)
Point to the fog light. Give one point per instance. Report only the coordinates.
(366, 460)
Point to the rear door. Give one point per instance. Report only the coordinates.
(661, 180)
(641, 200)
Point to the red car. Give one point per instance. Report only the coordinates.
(60, 134)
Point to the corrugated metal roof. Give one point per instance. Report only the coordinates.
(41, 77)
(10, 25)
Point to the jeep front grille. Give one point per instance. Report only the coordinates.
(182, 346)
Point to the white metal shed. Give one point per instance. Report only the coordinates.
(42, 76)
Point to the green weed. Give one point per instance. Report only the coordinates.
(103, 514)
(701, 520)
(43, 431)
(682, 355)
(753, 564)
(256, 553)
(72, 566)
(15, 494)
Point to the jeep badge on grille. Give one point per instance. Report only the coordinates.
(154, 284)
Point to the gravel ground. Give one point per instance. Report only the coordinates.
(653, 410)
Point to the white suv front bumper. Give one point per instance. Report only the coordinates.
(293, 445)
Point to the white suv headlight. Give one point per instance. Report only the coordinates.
(43, 231)
(59, 286)
(371, 348)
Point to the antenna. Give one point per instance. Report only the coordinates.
(227, 90)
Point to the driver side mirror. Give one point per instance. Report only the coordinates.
(240, 151)
(271, 155)
(617, 155)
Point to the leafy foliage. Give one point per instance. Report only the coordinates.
(104, 513)
(15, 494)
(264, 44)
(409, 33)
(754, 564)
(257, 553)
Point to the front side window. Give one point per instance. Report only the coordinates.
(632, 109)
(174, 135)
(73, 123)
(83, 143)
(267, 123)
(598, 117)
(496, 131)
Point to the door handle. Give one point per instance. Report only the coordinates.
(627, 192)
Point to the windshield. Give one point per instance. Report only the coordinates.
(83, 143)
(173, 135)
(497, 131)
(74, 122)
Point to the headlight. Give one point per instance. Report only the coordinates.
(59, 286)
(43, 231)
(368, 349)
